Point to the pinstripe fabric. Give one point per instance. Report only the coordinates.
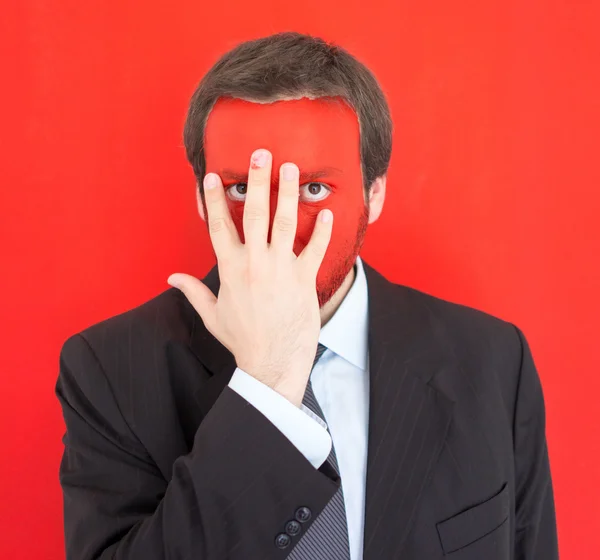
(327, 537)
(155, 435)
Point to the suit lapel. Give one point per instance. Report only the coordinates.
(409, 415)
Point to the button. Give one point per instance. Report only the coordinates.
(293, 527)
(303, 514)
(282, 540)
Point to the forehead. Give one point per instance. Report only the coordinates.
(305, 131)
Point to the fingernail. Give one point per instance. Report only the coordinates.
(259, 158)
(210, 181)
(326, 216)
(290, 171)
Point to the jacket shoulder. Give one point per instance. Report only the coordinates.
(482, 344)
(166, 315)
(460, 317)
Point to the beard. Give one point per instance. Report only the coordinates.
(343, 262)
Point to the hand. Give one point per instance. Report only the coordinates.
(267, 311)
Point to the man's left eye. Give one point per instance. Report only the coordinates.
(322, 191)
(312, 192)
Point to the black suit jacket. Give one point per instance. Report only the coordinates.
(163, 460)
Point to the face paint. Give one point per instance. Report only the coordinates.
(322, 139)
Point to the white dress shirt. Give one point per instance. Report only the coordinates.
(340, 381)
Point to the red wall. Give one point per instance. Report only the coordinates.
(493, 195)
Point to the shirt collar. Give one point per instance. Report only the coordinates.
(346, 333)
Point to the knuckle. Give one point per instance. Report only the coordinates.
(217, 224)
(254, 270)
(289, 193)
(224, 261)
(252, 213)
(318, 249)
(283, 223)
(259, 181)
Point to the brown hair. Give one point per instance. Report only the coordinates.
(293, 65)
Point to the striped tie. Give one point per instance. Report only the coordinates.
(327, 537)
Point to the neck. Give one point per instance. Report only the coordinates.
(329, 309)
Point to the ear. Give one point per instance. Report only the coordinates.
(199, 203)
(376, 198)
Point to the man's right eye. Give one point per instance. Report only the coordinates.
(237, 191)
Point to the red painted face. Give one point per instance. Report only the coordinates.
(322, 138)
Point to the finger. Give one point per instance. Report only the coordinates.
(285, 221)
(222, 231)
(256, 206)
(199, 295)
(312, 255)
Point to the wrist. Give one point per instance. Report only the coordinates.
(293, 393)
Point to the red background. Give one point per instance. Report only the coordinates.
(492, 195)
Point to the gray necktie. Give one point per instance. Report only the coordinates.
(327, 537)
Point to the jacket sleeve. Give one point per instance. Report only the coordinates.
(300, 425)
(229, 497)
(536, 534)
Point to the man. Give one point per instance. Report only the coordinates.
(295, 403)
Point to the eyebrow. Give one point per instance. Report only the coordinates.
(305, 176)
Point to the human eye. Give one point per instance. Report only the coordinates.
(237, 191)
(315, 191)
(312, 192)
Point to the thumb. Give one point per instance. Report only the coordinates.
(198, 294)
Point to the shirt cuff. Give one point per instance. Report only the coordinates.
(301, 426)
